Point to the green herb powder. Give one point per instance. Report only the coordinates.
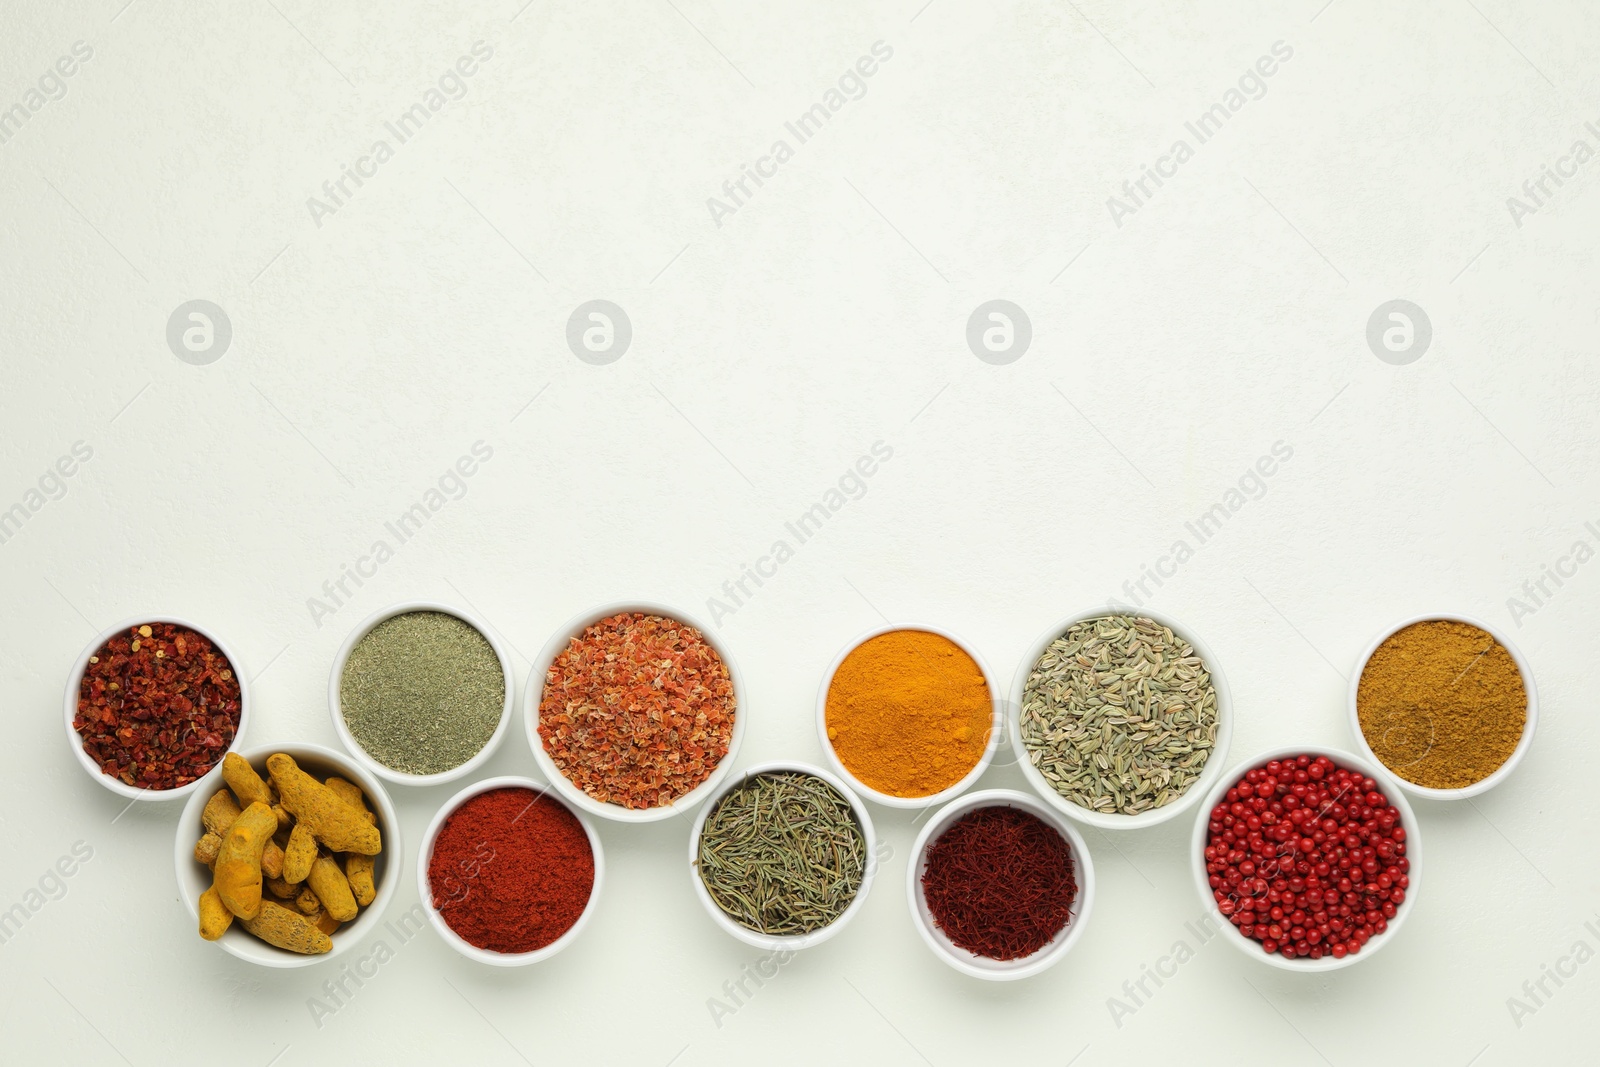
(423, 692)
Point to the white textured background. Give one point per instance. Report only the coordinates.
(828, 313)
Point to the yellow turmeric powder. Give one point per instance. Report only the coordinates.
(909, 713)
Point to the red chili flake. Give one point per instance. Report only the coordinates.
(637, 711)
(158, 706)
(1307, 857)
(999, 882)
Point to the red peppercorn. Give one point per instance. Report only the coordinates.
(1307, 858)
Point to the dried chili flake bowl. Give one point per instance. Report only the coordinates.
(632, 722)
(153, 704)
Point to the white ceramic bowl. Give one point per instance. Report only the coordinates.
(981, 966)
(389, 774)
(793, 942)
(1528, 726)
(996, 723)
(1252, 948)
(75, 678)
(1112, 821)
(562, 784)
(194, 879)
(425, 890)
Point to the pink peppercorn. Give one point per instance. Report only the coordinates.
(1307, 858)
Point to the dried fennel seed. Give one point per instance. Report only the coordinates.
(422, 692)
(782, 854)
(1119, 715)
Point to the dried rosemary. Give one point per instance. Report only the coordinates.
(782, 854)
(1119, 715)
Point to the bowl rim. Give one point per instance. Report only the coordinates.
(425, 890)
(792, 942)
(950, 792)
(75, 678)
(1001, 970)
(258, 952)
(348, 740)
(1209, 774)
(1251, 948)
(533, 694)
(1529, 725)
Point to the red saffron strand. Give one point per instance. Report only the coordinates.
(999, 883)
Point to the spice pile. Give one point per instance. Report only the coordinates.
(1442, 704)
(1119, 715)
(511, 870)
(1000, 882)
(158, 705)
(422, 692)
(782, 854)
(310, 845)
(637, 710)
(908, 713)
(1307, 857)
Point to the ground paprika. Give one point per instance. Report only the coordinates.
(511, 870)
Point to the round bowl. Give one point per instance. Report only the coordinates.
(996, 723)
(981, 966)
(793, 942)
(1110, 820)
(1526, 742)
(425, 890)
(75, 678)
(389, 774)
(1251, 948)
(319, 762)
(562, 784)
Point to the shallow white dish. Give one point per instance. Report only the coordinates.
(1252, 948)
(1500, 775)
(389, 774)
(793, 942)
(194, 879)
(425, 890)
(1111, 821)
(75, 679)
(888, 800)
(561, 783)
(981, 966)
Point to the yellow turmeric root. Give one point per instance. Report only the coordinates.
(278, 925)
(237, 873)
(299, 854)
(205, 849)
(350, 793)
(358, 872)
(272, 860)
(334, 823)
(215, 918)
(219, 812)
(244, 781)
(328, 882)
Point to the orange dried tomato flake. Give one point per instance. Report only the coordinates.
(638, 710)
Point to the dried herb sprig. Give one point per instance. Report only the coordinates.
(782, 854)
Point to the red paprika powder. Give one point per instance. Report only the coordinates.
(511, 870)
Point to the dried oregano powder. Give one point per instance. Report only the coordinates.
(422, 692)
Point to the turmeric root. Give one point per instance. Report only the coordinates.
(338, 826)
(350, 793)
(219, 812)
(272, 860)
(244, 781)
(237, 874)
(358, 872)
(205, 849)
(328, 882)
(297, 857)
(278, 925)
(215, 918)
